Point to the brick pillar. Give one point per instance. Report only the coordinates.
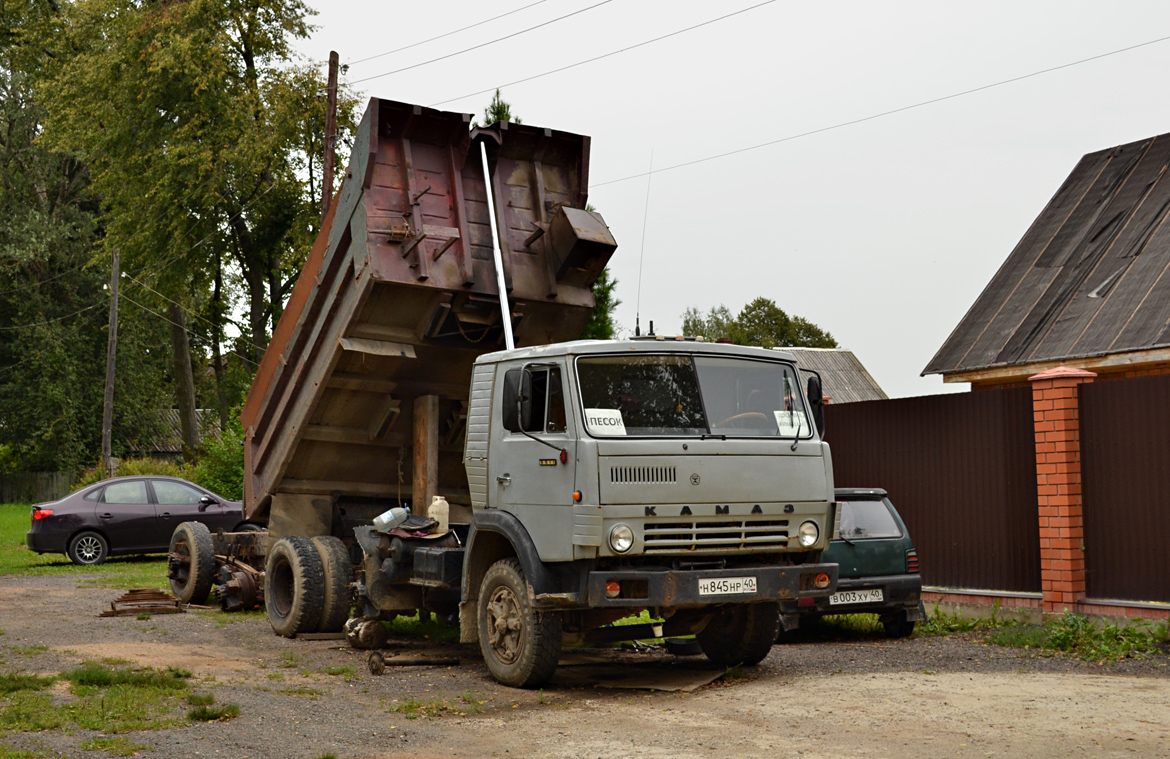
(1056, 416)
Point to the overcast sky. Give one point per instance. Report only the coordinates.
(882, 232)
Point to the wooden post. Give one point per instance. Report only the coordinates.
(111, 355)
(426, 453)
(330, 137)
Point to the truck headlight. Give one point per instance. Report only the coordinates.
(808, 533)
(621, 538)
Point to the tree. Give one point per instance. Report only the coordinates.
(53, 308)
(761, 323)
(498, 110)
(601, 324)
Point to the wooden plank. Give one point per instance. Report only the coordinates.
(426, 452)
(376, 347)
(384, 418)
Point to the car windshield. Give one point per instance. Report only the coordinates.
(861, 520)
(679, 395)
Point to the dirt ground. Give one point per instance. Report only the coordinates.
(934, 697)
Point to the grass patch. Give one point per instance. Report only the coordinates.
(108, 700)
(1081, 637)
(426, 628)
(290, 661)
(200, 699)
(837, 627)
(464, 705)
(346, 672)
(29, 650)
(121, 572)
(302, 692)
(942, 623)
(18, 681)
(114, 746)
(9, 753)
(214, 713)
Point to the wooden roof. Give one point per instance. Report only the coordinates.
(1088, 279)
(843, 377)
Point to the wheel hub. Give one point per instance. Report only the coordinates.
(505, 624)
(89, 549)
(179, 563)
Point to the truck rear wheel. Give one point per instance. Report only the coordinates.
(338, 576)
(520, 645)
(191, 562)
(294, 586)
(740, 634)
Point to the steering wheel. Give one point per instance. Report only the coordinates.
(746, 416)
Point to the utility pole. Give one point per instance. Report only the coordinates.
(330, 137)
(111, 354)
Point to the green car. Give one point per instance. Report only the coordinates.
(879, 567)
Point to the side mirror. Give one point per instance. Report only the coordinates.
(816, 402)
(205, 501)
(517, 410)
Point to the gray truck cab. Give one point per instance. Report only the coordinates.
(610, 477)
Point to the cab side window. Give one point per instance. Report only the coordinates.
(548, 400)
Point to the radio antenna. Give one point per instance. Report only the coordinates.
(642, 254)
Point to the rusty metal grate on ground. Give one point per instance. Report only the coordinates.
(144, 601)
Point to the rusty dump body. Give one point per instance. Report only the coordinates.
(360, 401)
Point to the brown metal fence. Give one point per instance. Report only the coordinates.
(1125, 477)
(962, 471)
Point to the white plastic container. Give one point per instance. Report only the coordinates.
(388, 520)
(440, 511)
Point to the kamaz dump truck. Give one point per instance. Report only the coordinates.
(587, 481)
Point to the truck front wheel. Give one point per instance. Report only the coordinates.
(520, 645)
(740, 634)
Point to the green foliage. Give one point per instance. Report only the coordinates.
(601, 324)
(1083, 638)
(16, 681)
(427, 628)
(138, 468)
(98, 675)
(760, 323)
(114, 746)
(498, 110)
(200, 699)
(942, 623)
(214, 713)
(220, 468)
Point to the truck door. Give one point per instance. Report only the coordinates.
(530, 471)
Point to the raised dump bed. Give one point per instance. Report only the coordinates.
(360, 402)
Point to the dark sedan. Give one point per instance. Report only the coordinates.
(879, 565)
(126, 515)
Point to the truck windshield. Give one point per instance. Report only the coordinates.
(690, 395)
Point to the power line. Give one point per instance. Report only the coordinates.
(447, 34)
(48, 321)
(196, 314)
(887, 113)
(185, 329)
(483, 44)
(606, 55)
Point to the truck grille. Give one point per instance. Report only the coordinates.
(643, 475)
(676, 537)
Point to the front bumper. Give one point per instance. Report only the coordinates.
(898, 592)
(642, 588)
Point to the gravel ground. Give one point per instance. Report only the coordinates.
(953, 696)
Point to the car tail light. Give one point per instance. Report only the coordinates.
(912, 561)
(613, 589)
(41, 513)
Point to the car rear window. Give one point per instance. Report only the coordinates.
(861, 520)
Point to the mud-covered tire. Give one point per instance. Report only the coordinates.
(520, 645)
(740, 634)
(338, 577)
(249, 527)
(191, 562)
(294, 586)
(897, 625)
(88, 549)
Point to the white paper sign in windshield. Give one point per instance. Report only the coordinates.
(605, 421)
(792, 423)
